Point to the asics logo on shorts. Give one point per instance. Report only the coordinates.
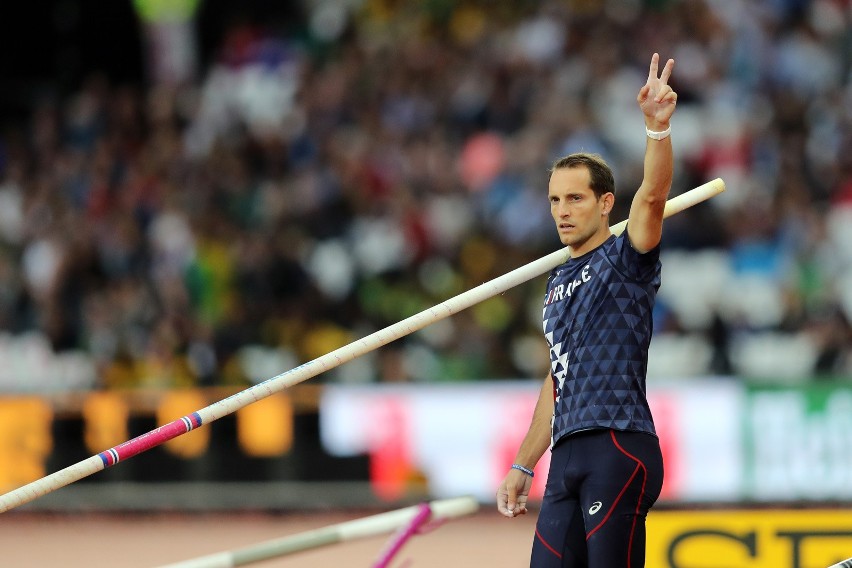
(596, 506)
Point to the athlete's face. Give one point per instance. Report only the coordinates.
(581, 218)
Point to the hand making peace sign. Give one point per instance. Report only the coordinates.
(656, 98)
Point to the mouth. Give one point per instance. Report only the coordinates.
(565, 227)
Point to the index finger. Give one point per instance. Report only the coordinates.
(655, 61)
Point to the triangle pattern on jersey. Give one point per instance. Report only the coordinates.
(598, 337)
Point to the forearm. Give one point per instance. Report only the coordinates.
(537, 439)
(645, 226)
(658, 166)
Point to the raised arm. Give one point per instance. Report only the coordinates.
(657, 101)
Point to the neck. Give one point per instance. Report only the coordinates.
(593, 242)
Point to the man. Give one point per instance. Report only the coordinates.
(606, 467)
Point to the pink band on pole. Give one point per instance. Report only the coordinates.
(150, 439)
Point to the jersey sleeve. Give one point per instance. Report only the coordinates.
(641, 267)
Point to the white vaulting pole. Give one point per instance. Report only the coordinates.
(350, 530)
(224, 407)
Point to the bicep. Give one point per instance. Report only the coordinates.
(547, 389)
(645, 223)
(544, 404)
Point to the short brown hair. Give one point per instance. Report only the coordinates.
(602, 180)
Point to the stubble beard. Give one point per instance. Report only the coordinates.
(578, 240)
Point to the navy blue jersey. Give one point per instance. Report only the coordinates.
(597, 321)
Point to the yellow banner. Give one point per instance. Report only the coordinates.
(25, 440)
(767, 538)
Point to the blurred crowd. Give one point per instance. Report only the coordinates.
(313, 187)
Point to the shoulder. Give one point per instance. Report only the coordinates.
(641, 266)
(622, 245)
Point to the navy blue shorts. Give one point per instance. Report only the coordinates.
(600, 487)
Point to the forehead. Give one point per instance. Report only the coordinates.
(570, 179)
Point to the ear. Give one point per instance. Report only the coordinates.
(607, 202)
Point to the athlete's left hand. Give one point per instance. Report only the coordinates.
(656, 98)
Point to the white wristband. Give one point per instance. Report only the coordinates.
(658, 135)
